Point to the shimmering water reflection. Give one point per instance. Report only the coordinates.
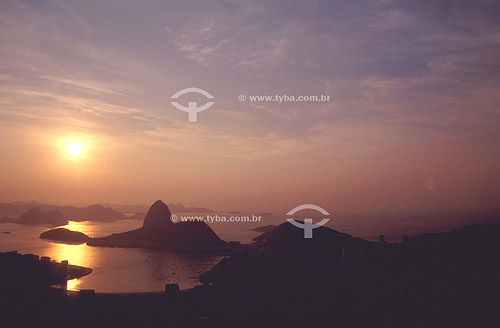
(117, 270)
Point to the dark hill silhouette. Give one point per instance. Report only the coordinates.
(91, 213)
(466, 257)
(288, 238)
(434, 279)
(158, 217)
(15, 209)
(159, 231)
(465, 237)
(36, 216)
(180, 208)
(65, 236)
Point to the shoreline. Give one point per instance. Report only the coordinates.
(76, 271)
(75, 293)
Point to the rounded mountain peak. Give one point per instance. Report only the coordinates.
(158, 216)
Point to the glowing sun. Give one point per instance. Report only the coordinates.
(74, 149)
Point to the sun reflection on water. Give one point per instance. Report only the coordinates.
(74, 284)
(75, 254)
(85, 227)
(115, 270)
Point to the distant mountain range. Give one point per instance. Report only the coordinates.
(9, 212)
(36, 216)
(73, 213)
(175, 208)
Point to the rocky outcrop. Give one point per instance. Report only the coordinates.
(158, 217)
(159, 231)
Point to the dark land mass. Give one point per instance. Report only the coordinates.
(36, 216)
(9, 211)
(179, 208)
(159, 231)
(30, 273)
(65, 236)
(15, 209)
(92, 213)
(334, 279)
(266, 228)
(128, 208)
(73, 213)
(265, 214)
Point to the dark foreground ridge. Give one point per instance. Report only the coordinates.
(432, 280)
(159, 231)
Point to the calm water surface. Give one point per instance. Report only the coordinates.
(120, 270)
(115, 270)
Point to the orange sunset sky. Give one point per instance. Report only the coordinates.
(413, 120)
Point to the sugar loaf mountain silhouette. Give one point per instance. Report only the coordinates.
(159, 231)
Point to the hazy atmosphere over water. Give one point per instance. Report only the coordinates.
(413, 121)
(225, 163)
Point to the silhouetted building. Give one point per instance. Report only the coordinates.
(381, 238)
(45, 259)
(65, 269)
(86, 294)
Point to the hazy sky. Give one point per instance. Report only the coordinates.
(413, 121)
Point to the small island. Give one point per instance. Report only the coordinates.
(65, 236)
